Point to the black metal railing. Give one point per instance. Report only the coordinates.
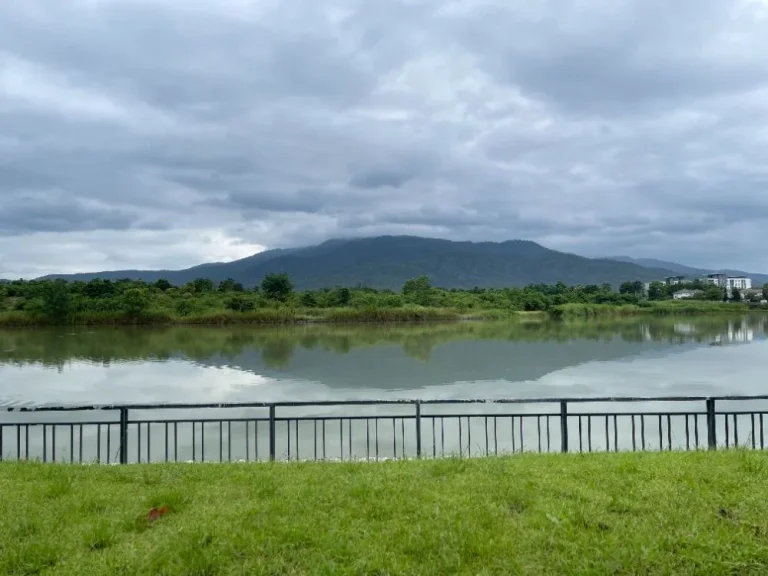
(374, 430)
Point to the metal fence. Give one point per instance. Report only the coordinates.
(374, 430)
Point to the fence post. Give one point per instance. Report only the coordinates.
(711, 424)
(124, 436)
(418, 429)
(563, 426)
(272, 431)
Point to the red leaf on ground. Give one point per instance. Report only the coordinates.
(157, 513)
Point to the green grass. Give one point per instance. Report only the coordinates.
(669, 513)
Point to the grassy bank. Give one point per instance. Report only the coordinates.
(669, 513)
(662, 308)
(266, 316)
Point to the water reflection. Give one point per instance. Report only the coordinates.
(317, 362)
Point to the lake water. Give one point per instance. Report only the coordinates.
(711, 356)
(696, 356)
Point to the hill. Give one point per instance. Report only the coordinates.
(388, 261)
(757, 279)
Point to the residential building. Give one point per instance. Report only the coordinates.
(672, 280)
(717, 279)
(740, 282)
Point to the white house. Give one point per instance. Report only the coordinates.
(685, 294)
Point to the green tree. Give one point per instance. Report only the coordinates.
(308, 300)
(162, 284)
(201, 285)
(230, 285)
(418, 290)
(627, 288)
(184, 307)
(657, 291)
(277, 287)
(713, 293)
(735, 294)
(239, 304)
(56, 300)
(765, 292)
(342, 296)
(135, 302)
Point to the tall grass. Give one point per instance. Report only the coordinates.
(664, 308)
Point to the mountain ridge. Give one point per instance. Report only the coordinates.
(388, 261)
(757, 279)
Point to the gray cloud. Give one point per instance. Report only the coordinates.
(215, 128)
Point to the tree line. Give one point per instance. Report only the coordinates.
(59, 299)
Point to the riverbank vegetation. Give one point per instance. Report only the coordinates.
(636, 513)
(274, 301)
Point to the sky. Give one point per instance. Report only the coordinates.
(165, 133)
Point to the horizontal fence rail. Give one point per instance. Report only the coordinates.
(376, 430)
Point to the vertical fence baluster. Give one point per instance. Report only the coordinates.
(735, 431)
(434, 439)
(727, 431)
(495, 436)
(18, 442)
(272, 434)
(460, 437)
(394, 437)
(669, 431)
(615, 433)
(607, 435)
(581, 439)
(247, 441)
(487, 444)
(711, 424)
(589, 432)
(696, 429)
(634, 434)
(563, 426)
(642, 430)
(661, 436)
(80, 446)
(123, 435)
(538, 428)
(687, 434)
(418, 429)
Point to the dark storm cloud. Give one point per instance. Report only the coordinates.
(48, 211)
(217, 127)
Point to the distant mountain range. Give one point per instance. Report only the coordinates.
(388, 261)
(757, 279)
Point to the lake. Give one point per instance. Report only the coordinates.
(696, 356)
(711, 356)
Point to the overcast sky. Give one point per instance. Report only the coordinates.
(165, 133)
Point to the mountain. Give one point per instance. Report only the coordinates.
(757, 279)
(388, 261)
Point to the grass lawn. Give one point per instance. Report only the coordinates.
(669, 513)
